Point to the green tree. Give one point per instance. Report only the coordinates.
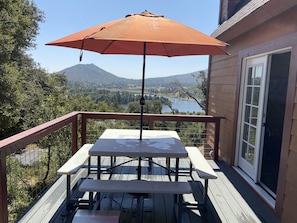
(45, 98)
(18, 28)
(202, 87)
(151, 106)
(199, 94)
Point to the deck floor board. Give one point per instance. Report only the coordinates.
(230, 199)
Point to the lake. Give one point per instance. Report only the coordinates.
(182, 106)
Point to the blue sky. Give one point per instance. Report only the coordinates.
(67, 16)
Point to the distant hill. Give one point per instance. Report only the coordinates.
(185, 80)
(92, 75)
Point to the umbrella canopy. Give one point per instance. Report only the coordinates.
(143, 34)
(163, 37)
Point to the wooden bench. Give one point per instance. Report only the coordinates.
(96, 216)
(139, 187)
(73, 165)
(203, 169)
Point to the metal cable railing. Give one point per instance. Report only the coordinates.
(31, 170)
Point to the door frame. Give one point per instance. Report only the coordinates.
(252, 170)
(239, 115)
(288, 42)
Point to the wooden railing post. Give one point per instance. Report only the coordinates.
(151, 124)
(74, 135)
(3, 189)
(83, 129)
(217, 139)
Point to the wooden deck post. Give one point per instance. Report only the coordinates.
(74, 135)
(217, 139)
(83, 129)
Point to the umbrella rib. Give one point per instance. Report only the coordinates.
(167, 53)
(222, 50)
(111, 42)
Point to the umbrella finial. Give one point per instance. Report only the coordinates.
(149, 14)
(146, 13)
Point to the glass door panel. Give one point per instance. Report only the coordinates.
(252, 115)
(261, 117)
(274, 120)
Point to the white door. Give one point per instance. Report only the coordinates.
(251, 110)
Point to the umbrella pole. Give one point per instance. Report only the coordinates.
(142, 100)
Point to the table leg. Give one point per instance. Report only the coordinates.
(150, 163)
(98, 177)
(98, 167)
(139, 169)
(176, 168)
(176, 175)
(68, 188)
(111, 163)
(168, 165)
(179, 212)
(89, 165)
(140, 201)
(91, 201)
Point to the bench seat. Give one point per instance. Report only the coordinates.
(135, 186)
(96, 216)
(73, 165)
(139, 187)
(76, 161)
(202, 167)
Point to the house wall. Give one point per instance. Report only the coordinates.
(225, 75)
(274, 33)
(286, 207)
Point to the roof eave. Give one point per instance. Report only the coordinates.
(250, 16)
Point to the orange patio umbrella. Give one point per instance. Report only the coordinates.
(143, 34)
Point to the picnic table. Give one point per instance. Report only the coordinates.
(126, 142)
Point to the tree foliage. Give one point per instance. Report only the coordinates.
(18, 28)
(150, 106)
(29, 96)
(199, 93)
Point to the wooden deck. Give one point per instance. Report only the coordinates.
(229, 198)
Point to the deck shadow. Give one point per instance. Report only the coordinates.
(256, 203)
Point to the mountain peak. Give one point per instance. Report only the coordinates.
(93, 75)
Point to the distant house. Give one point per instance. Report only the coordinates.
(255, 89)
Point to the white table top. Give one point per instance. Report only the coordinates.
(126, 142)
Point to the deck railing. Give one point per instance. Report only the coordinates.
(36, 148)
